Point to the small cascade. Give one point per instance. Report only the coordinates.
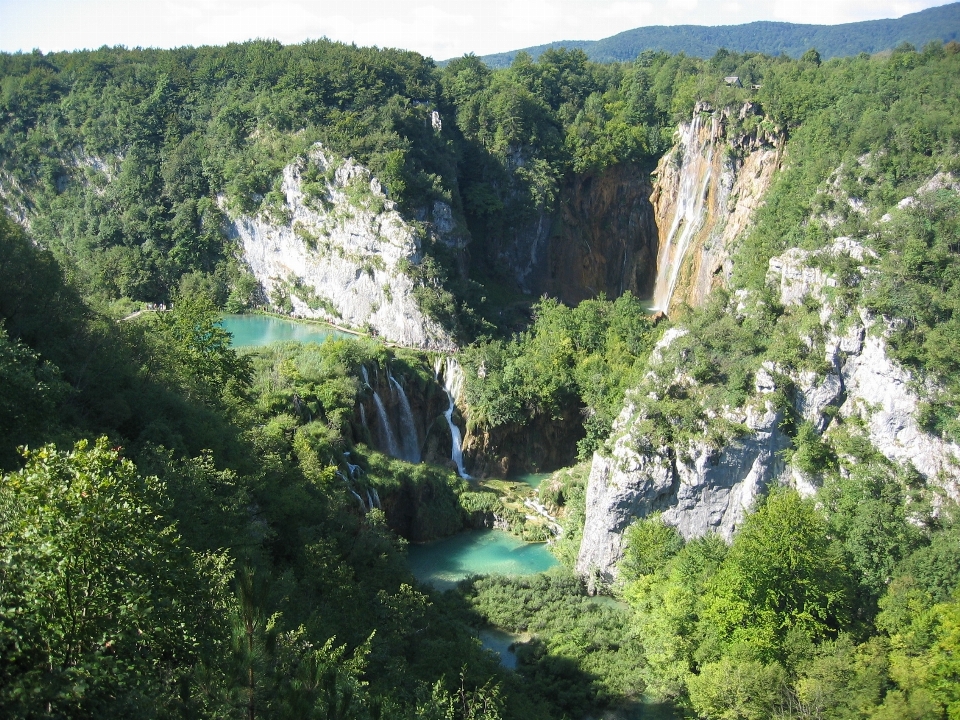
(353, 469)
(453, 384)
(363, 505)
(376, 499)
(359, 499)
(393, 450)
(363, 419)
(409, 442)
(695, 174)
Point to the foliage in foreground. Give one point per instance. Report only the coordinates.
(775, 626)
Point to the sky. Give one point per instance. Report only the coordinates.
(439, 28)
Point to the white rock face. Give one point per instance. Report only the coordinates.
(699, 489)
(880, 392)
(702, 491)
(341, 257)
(871, 385)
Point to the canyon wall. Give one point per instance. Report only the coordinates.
(700, 486)
(339, 250)
(601, 238)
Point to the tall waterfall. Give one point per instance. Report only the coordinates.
(695, 173)
(393, 450)
(410, 443)
(453, 384)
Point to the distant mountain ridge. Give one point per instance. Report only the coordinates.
(938, 23)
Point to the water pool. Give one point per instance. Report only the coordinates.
(444, 563)
(257, 330)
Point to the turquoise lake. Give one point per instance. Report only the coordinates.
(532, 479)
(499, 641)
(444, 563)
(256, 330)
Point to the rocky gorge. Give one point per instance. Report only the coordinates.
(703, 486)
(669, 235)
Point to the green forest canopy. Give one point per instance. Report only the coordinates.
(255, 585)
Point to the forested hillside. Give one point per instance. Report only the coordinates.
(767, 480)
(772, 38)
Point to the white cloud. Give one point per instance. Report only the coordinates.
(439, 29)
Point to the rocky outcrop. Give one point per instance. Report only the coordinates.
(337, 249)
(697, 487)
(705, 192)
(700, 488)
(542, 445)
(873, 386)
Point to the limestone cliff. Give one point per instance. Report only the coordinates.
(600, 238)
(666, 236)
(705, 192)
(872, 385)
(697, 486)
(701, 486)
(604, 238)
(339, 250)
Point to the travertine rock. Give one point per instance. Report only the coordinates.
(342, 256)
(699, 489)
(704, 195)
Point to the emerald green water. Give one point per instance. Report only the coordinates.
(444, 563)
(256, 330)
(532, 479)
(499, 641)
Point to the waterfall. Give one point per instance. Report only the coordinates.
(376, 498)
(383, 420)
(690, 210)
(359, 499)
(392, 449)
(408, 430)
(353, 469)
(452, 384)
(352, 491)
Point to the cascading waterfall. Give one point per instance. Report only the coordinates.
(363, 411)
(359, 499)
(410, 444)
(383, 420)
(363, 505)
(393, 450)
(452, 384)
(689, 215)
(353, 469)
